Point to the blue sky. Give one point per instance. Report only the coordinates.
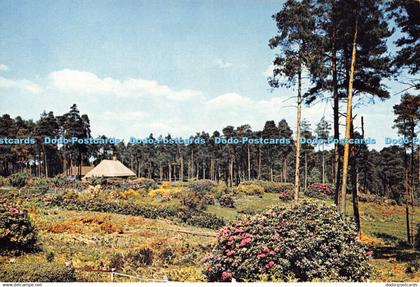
(137, 67)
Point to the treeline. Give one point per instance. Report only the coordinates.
(381, 173)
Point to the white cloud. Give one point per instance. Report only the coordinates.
(222, 64)
(82, 82)
(3, 67)
(23, 85)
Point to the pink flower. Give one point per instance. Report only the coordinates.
(261, 255)
(230, 252)
(265, 249)
(276, 236)
(245, 241)
(226, 276)
(370, 252)
(269, 264)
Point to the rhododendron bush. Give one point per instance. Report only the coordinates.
(319, 190)
(305, 242)
(16, 231)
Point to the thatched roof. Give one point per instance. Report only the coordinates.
(110, 168)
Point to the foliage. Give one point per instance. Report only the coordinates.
(16, 231)
(305, 242)
(143, 183)
(42, 184)
(96, 180)
(227, 200)
(319, 190)
(285, 196)
(130, 194)
(140, 257)
(35, 271)
(4, 181)
(201, 186)
(65, 181)
(250, 189)
(192, 217)
(278, 187)
(19, 179)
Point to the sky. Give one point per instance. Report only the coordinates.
(141, 67)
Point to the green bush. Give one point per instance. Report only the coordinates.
(41, 184)
(305, 242)
(319, 190)
(250, 189)
(278, 187)
(202, 186)
(36, 271)
(19, 179)
(227, 200)
(143, 183)
(96, 180)
(140, 257)
(188, 216)
(16, 231)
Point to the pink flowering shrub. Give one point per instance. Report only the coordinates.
(16, 231)
(319, 190)
(305, 242)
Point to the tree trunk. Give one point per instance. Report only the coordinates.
(407, 211)
(285, 170)
(323, 164)
(45, 162)
(299, 110)
(348, 121)
(160, 171)
(353, 175)
(259, 161)
(181, 170)
(337, 162)
(306, 170)
(249, 164)
(170, 172)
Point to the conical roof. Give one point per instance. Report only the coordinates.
(110, 168)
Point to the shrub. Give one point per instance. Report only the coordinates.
(201, 186)
(201, 219)
(117, 261)
(41, 184)
(4, 181)
(227, 200)
(286, 196)
(278, 187)
(96, 180)
(61, 181)
(35, 271)
(16, 231)
(305, 242)
(196, 201)
(143, 183)
(188, 216)
(250, 189)
(19, 179)
(140, 257)
(130, 194)
(319, 190)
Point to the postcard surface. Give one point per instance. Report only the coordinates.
(246, 141)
